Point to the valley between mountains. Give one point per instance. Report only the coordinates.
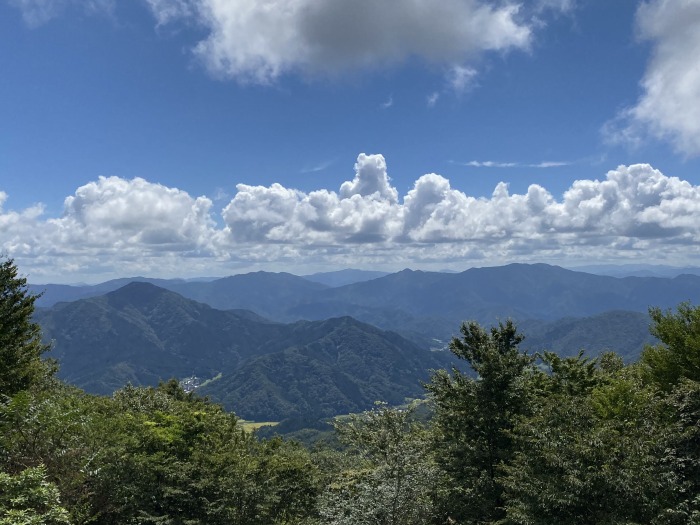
(271, 346)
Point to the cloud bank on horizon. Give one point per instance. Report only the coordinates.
(112, 224)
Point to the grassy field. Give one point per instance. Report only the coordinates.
(251, 426)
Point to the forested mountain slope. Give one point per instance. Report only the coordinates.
(625, 448)
(625, 333)
(142, 334)
(334, 368)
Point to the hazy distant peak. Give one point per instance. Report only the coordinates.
(140, 292)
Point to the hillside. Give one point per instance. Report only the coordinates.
(429, 303)
(143, 334)
(344, 277)
(624, 332)
(427, 308)
(344, 367)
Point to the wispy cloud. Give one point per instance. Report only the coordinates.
(321, 166)
(39, 12)
(495, 164)
(461, 78)
(432, 99)
(490, 164)
(549, 164)
(388, 103)
(220, 194)
(563, 6)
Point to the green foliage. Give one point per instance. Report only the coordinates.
(392, 478)
(590, 454)
(474, 418)
(566, 376)
(27, 498)
(678, 355)
(154, 455)
(682, 454)
(20, 338)
(182, 459)
(65, 430)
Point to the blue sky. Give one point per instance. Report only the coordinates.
(202, 137)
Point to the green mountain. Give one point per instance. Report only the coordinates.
(51, 294)
(268, 294)
(624, 332)
(520, 291)
(425, 304)
(335, 367)
(142, 334)
(428, 307)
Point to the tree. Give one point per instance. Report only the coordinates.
(180, 459)
(20, 338)
(682, 455)
(29, 499)
(392, 479)
(591, 450)
(678, 355)
(474, 417)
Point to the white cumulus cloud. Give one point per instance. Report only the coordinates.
(632, 203)
(136, 213)
(112, 221)
(364, 210)
(371, 180)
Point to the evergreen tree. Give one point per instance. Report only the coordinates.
(20, 338)
(682, 455)
(474, 417)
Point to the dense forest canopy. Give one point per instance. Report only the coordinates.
(510, 438)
